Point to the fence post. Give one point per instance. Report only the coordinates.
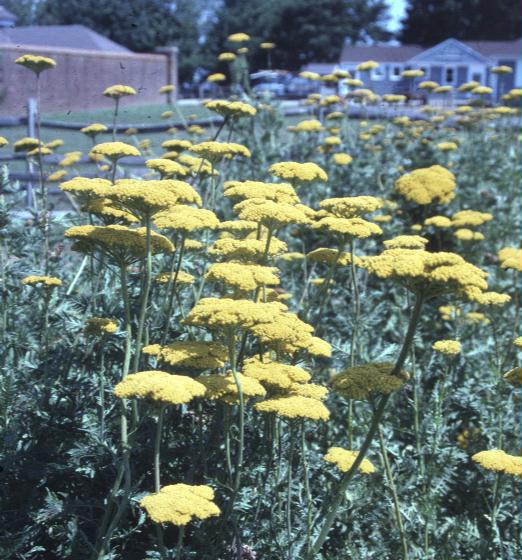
(32, 110)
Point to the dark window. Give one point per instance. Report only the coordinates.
(450, 75)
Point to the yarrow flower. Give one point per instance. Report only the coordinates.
(447, 347)
(367, 65)
(238, 38)
(225, 389)
(216, 151)
(295, 407)
(45, 281)
(343, 459)
(94, 129)
(342, 159)
(470, 218)
(115, 150)
(167, 168)
(351, 206)
(427, 185)
(36, 63)
(277, 192)
(298, 173)
(230, 109)
(366, 380)
(179, 504)
(118, 91)
(510, 257)
(311, 125)
(499, 461)
(242, 277)
(100, 326)
(186, 219)
(190, 355)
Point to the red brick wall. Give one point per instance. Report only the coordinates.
(79, 78)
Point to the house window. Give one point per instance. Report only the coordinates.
(377, 74)
(477, 77)
(449, 75)
(395, 73)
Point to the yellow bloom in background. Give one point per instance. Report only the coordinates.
(35, 63)
(468, 86)
(298, 173)
(366, 380)
(226, 57)
(295, 407)
(309, 390)
(242, 277)
(510, 257)
(428, 84)
(41, 150)
(191, 355)
(118, 91)
(518, 342)
(482, 90)
(238, 38)
(179, 504)
(94, 129)
(277, 192)
(499, 461)
(167, 114)
(313, 76)
(274, 375)
(167, 168)
(267, 46)
(343, 459)
(115, 150)
(44, 281)
(53, 144)
(217, 77)
(470, 218)
(159, 386)
(412, 73)
(367, 65)
(438, 222)
(447, 146)
(182, 278)
(342, 159)
(329, 256)
(100, 326)
(230, 109)
(271, 214)
(56, 176)
(216, 151)
(447, 347)
(309, 125)
(224, 387)
(168, 88)
(442, 89)
(465, 234)
(26, 144)
(406, 242)
(352, 227)
(247, 249)
(186, 219)
(351, 206)
(513, 377)
(3, 141)
(427, 185)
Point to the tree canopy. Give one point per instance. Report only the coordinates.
(430, 21)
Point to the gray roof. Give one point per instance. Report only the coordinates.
(6, 14)
(381, 53)
(492, 48)
(319, 67)
(60, 36)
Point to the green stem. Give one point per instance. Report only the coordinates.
(102, 393)
(179, 547)
(171, 288)
(157, 481)
(289, 492)
(308, 493)
(114, 118)
(338, 496)
(395, 497)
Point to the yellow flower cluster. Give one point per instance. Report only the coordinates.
(26, 144)
(188, 354)
(271, 214)
(70, 159)
(168, 88)
(99, 326)
(231, 109)
(329, 256)
(226, 57)
(118, 91)
(124, 244)
(513, 377)
(447, 146)
(447, 347)
(238, 38)
(278, 192)
(186, 219)
(471, 218)
(295, 407)
(465, 234)
(242, 277)
(93, 129)
(167, 168)
(36, 63)
(438, 222)
(342, 159)
(343, 459)
(510, 257)
(216, 77)
(247, 249)
(196, 166)
(274, 375)
(181, 278)
(364, 381)
(178, 504)
(406, 242)
(412, 73)
(115, 150)
(499, 461)
(352, 227)
(351, 206)
(310, 125)
(298, 173)
(159, 386)
(367, 65)
(216, 151)
(225, 389)
(427, 185)
(45, 281)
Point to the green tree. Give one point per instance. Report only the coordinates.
(140, 25)
(430, 21)
(24, 10)
(304, 30)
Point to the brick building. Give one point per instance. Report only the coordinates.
(86, 62)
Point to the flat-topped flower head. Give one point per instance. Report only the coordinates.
(351, 206)
(70, 158)
(442, 89)
(121, 243)
(191, 355)
(242, 277)
(428, 84)
(186, 219)
(295, 407)
(273, 215)
(309, 390)
(117, 91)
(56, 176)
(216, 78)
(247, 249)
(355, 228)
(115, 150)
(224, 387)
(216, 313)
(513, 377)
(104, 209)
(417, 73)
(468, 86)
(86, 189)
(244, 190)
(216, 151)
(267, 46)
(447, 347)
(441, 222)
(182, 278)
(159, 386)
(35, 63)
(499, 461)
(39, 151)
(330, 256)
(47, 282)
(167, 88)
(427, 185)
(343, 459)
(447, 146)
(237, 227)
(309, 125)
(510, 258)
(470, 218)
(406, 242)
(167, 168)
(465, 234)
(178, 504)
(238, 38)
(176, 144)
(274, 376)
(298, 173)
(93, 129)
(367, 65)
(482, 90)
(26, 144)
(342, 159)
(367, 380)
(230, 109)
(226, 57)
(100, 326)
(197, 166)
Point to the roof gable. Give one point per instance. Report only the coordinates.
(381, 53)
(450, 50)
